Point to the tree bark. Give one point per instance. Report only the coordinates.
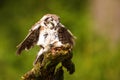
(47, 67)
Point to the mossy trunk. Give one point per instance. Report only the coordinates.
(46, 68)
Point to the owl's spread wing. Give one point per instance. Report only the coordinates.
(30, 40)
(65, 36)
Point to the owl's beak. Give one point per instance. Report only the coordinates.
(55, 23)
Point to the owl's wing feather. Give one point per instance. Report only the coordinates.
(65, 36)
(30, 40)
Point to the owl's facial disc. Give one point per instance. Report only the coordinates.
(50, 21)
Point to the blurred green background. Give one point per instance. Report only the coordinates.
(95, 23)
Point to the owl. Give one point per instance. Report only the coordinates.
(48, 32)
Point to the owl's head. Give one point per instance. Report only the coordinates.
(50, 20)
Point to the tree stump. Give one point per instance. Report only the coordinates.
(50, 65)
